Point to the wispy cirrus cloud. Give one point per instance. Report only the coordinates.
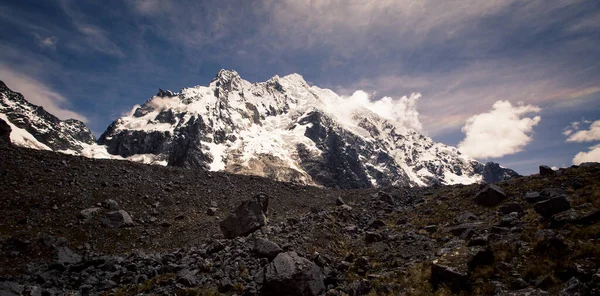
(39, 93)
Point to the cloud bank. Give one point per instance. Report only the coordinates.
(593, 155)
(402, 111)
(502, 131)
(577, 135)
(592, 134)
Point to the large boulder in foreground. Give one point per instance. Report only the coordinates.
(4, 133)
(290, 274)
(490, 196)
(249, 216)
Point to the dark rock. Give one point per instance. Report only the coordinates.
(247, 218)
(376, 224)
(111, 204)
(481, 257)
(4, 133)
(372, 237)
(66, 256)
(533, 197)
(10, 288)
(290, 274)
(574, 288)
(431, 228)
(214, 247)
(187, 278)
(466, 217)
(493, 173)
(517, 284)
(490, 196)
(546, 171)
(211, 211)
(552, 206)
(451, 267)
(117, 219)
(584, 214)
(459, 229)
(511, 207)
(87, 214)
(339, 201)
(225, 285)
(266, 248)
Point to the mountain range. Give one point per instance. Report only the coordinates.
(284, 129)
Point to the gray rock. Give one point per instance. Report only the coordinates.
(459, 229)
(225, 285)
(111, 204)
(552, 206)
(87, 214)
(117, 219)
(67, 256)
(266, 248)
(187, 278)
(247, 218)
(10, 289)
(214, 247)
(490, 196)
(372, 237)
(290, 274)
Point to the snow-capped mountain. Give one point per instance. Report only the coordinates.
(283, 129)
(33, 127)
(287, 130)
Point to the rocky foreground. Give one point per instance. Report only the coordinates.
(77, 226)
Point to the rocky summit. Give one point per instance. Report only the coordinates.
(72, 225)
(283, 129)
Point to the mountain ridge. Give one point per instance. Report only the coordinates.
(283, 129)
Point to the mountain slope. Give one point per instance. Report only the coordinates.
(34, 127)
(287, 130)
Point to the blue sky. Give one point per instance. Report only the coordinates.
(94, 61)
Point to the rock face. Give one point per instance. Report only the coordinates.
(490, 196)
(247, 218)
(41, 130)
(493, 173)
(290, 274)
(4, 132)
(287, 130)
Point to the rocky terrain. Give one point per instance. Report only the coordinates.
(77, 226)
(283, 129)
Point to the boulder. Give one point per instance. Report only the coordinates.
(546, 171)
(459, 229)
(249, 216)
(552, 206)
(451, 268)
(290, 274)
(533, 197)
(511, 207)
(339, 201)
(117, 219)
(111, 204)
(266, 248)
(490, 196)
(584, 214)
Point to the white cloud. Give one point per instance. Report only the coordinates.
(591, 156)
(589, 135)
(402, 110)
(39, 94)
(501, 131)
